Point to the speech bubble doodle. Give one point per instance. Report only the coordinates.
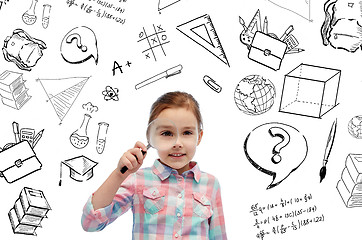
(263, 144)
(79, 45)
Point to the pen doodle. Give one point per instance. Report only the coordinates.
(102, 9)
(254, 95)
(79, 138)
(165, 74)
(80, 168)
(89, 107)
(62, 93)
(110, 93)
(202, 31)
(264, 47)
(211, 83)
(327, 152)
(162, 4)
(29, 211)
(13, 91)
(355, 127)
(101, 136)
(153, 42)
(119, 67)
(270, 155)
(22, 49)
(3, 3)
(341, 28)
(29, 16)
(350, 184)
(310, 90)
(79, 45)
(301, 8)
(46, 15)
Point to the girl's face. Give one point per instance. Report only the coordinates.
(183, 150)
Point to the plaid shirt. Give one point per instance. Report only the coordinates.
(165, 205)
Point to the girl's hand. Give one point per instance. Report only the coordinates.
(133, 158)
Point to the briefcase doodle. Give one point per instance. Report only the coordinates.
(267, 50)
(18, 161)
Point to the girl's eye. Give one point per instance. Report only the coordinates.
(188, 133)
(167, 134)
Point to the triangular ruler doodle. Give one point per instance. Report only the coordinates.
(162, 4)
(202, 31)
(62, 92)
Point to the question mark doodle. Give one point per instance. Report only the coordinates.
(77, 38)
(284, 135)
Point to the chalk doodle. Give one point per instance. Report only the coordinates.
(154, 41)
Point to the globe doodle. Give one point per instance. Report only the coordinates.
(254, 95)
(355, 127)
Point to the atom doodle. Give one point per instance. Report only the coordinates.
(110, 93)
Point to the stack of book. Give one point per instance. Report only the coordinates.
(350, 184)
(28, 211)
(12, 89)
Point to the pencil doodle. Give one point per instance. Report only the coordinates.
(355, 127)
(162, 4)
(310, 90)
(46, 15)
(350, 184)
(62, 93)
(22, 49)
(254, 95)
(154, 41)
(202, 31)
(165, 74)
(301, 8)
(29, 16)
(29, 211)
(81, 168)
(13, 91)
(276, 149)
(101, 136)
(79, 45)
(328, 149)
(110, 93)
(79, 138)
(264, 47)
(211, 83)
(341, 28)
(18, 160)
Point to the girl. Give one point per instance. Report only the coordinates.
(172, 199)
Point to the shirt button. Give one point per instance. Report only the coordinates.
(178, 214)
(179, 196)
(176, 235)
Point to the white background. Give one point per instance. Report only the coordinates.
(225, 127)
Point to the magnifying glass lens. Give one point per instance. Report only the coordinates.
(162, 134)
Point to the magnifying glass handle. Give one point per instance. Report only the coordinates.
(125, 168)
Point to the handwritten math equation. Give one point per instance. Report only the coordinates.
(285, 215)
(101, 9)
(3, 3)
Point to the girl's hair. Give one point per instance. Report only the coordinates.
(175, 100)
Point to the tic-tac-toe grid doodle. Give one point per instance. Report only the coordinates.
(153, 44)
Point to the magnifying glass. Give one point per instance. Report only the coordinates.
(162, 134)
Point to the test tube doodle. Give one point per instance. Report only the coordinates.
(46, 15)
(101, 136)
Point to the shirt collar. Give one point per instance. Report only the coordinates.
(163, 171)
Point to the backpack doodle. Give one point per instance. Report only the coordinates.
(342, 27)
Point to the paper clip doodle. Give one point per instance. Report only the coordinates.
(211, 83)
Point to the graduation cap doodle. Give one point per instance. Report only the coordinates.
(81, 168)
